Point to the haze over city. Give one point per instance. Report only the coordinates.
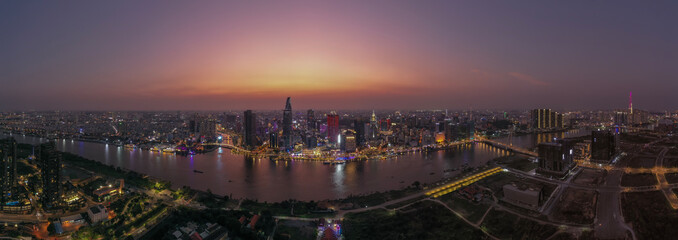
(338, 120)
(338, 55)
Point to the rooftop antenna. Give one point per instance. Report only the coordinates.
(631, 102)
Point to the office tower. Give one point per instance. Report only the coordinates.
(348, 141)
(8, 166)
(332, 127)
(385, 124)
(50, 166)
(556, 157)
(360, 134)
(310, 119)
(250, 125)
(194, 124)
(287, 125)
(311, 141)
(273, 141)
(603, 146)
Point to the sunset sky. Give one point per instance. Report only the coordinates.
(219, 55)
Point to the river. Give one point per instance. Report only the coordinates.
(225, 173)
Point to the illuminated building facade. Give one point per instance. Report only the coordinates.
(287, 125)
(8, 167)
(546, 119)
(50, 167)
(310, 120)
(332, 128)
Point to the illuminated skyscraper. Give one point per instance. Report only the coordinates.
(373, 119)
(310, 119)
(332, 127)
(8, 166)
(250, 125)
(50, 166)
(287, 125)
(545, 119)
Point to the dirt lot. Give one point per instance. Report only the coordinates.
(673, 152)
(592, 177)
(496, 183)
(670, 161)
(642, 162)
(650, 215)
(638, 180)
(672, 177)
(576, 206)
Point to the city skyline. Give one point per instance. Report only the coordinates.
(349, 55)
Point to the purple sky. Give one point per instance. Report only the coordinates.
(217, 55)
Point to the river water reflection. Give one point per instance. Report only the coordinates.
(226, 173)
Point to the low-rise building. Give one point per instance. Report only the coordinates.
(97, 213)
(523, 196)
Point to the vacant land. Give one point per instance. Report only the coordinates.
(423, 220)
(642, 162)
(672, 177)
(517, 161)
(592, 177)
(673, 152)
(576, 206)
(505, 225)
(650, 215)
(637, 138)
(288, 229)
(469, 210)
(585, 235)
(638, 180)
(496, 183)
(671, 162)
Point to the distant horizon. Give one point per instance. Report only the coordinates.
(340, 54)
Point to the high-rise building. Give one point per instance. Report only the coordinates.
(546, 119)
(621, 118)
(556, 157)
(310, 119)
(50, 166)
(311, 141)
(348, 141)
(8, 165)
(332, 127)
(287, 125)
(373, 119)
(360, 133)
(273, 141)
(250, 121)
(603, 146)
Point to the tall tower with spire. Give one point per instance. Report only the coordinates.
(287, 125)
(373, 120)
(631, 102)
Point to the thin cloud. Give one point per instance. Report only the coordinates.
(528, 79)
